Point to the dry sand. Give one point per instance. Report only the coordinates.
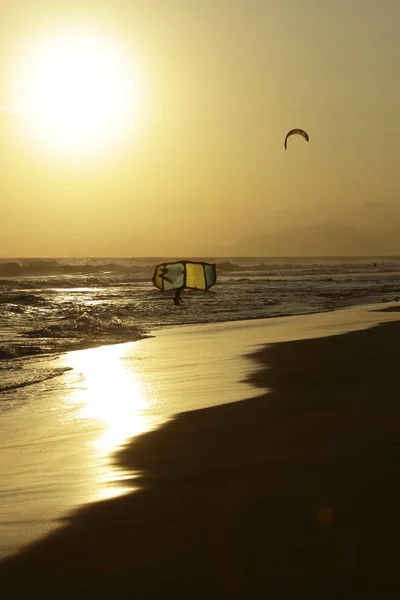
(291, 494)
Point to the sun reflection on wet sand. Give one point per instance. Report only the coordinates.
(123, 390)
(116, 396)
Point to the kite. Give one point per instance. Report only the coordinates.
(184, 274)
(296, 131)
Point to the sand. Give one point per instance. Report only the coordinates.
(293, 492)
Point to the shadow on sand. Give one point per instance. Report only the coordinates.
(294, 494)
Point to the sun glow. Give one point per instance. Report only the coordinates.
(79, 92)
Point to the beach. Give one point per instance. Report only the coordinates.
(254, 459)
(199, 300)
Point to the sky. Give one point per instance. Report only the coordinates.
(156, 127)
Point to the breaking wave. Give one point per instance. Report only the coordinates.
(45, 375)
(31, 274)
(22, 298)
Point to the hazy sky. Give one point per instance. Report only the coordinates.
(198, 160)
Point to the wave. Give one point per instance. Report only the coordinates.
(42, 268)
(311, 270)
(30, 274)
(22, 298)
(44, 376)
(84, 331)
(20, 350)
(83, 324)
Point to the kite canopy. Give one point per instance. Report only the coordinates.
(298, 132)
(191, 275)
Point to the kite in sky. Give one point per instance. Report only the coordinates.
(298, 132)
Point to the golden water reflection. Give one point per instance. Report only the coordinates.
(115, 395)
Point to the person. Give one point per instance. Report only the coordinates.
(177, 295)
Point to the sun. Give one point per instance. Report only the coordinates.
(79, 92)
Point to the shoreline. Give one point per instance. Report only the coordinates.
(293, 492)
(28, 345)
(337, 324)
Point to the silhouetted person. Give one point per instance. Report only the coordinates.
(177, 295)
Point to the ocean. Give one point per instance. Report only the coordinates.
(51, 306)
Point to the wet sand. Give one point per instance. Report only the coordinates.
(293, 493)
